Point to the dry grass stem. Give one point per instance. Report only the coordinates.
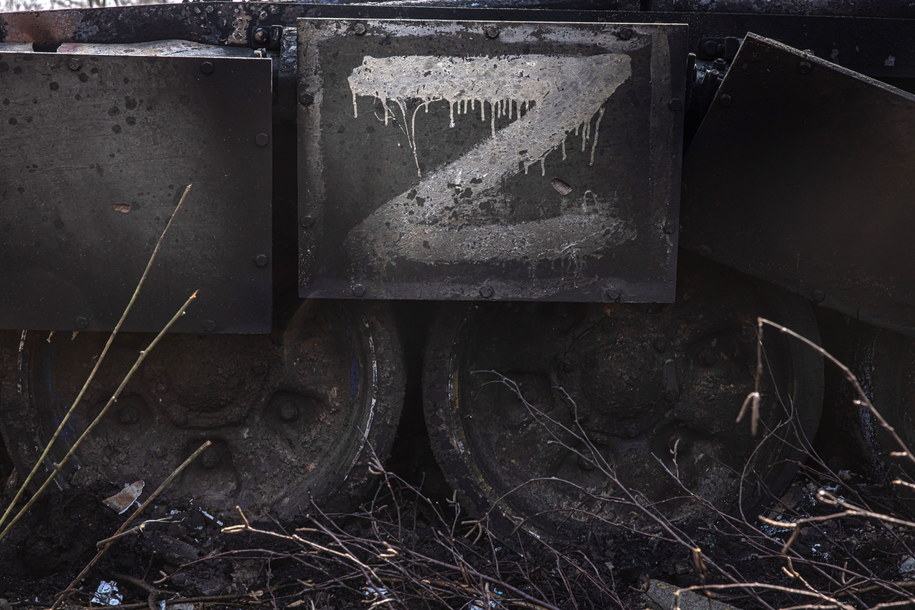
(107, 543)
(98, 363)
(114, 398)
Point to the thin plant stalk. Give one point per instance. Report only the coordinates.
(79, 397)
(114, 398)
(133, 517)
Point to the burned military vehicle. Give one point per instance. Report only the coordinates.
(583, 210)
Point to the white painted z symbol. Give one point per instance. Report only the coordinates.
(551, 99)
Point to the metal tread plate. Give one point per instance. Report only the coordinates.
(468, 160)
(94, 151)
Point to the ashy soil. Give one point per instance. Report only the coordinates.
(187, 557)
(411, 549)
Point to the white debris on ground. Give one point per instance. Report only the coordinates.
(124, 499)
(479, 604)
(662, 596)
(907, 567)
(483, 604)
(211, 517)
(374, 591)
(107, 594)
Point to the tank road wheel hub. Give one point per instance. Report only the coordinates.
(576, 418)
(292, 416)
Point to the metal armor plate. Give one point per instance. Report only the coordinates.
(468, 160)
(94, 151)
(801, 174)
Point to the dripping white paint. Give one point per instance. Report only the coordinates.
(547, 99)
(495, 87)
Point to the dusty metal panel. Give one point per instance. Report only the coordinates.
(468, 160)
(94, 151)
(155, 48)
(801, 173)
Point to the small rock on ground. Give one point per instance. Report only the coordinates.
(660, 596)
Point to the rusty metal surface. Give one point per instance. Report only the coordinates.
(469, 160)
(93, 153)
(801, 173)
(862, 43)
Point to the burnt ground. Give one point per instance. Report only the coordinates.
(410, 547)
(394, 547)
(193, 558)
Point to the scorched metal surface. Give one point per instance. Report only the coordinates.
(460, 160)
(94, 150)
(801, 174)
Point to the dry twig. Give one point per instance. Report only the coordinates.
(98, 363)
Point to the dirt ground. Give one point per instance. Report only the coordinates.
(409, 548)
(189, 558)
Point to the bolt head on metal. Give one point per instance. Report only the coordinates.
(804, 67)
(209, 325)
(82, 322)
(307, 222)
(288, 411)
(710, 47)
(306, 99)
(261, 260)
(818, 296)
(261, 35)
(487, 292)
(128, 415)
(74, 63)
(725, 100)
(625, 34)
(359, 29)
(262, 139)
(491, 31)
(276, 34)
(207, 67)
(358, 290)
(675, 104)
(210, 459)
(613, 294)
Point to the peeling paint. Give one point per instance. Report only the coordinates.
(44, 27)
(240, 25)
